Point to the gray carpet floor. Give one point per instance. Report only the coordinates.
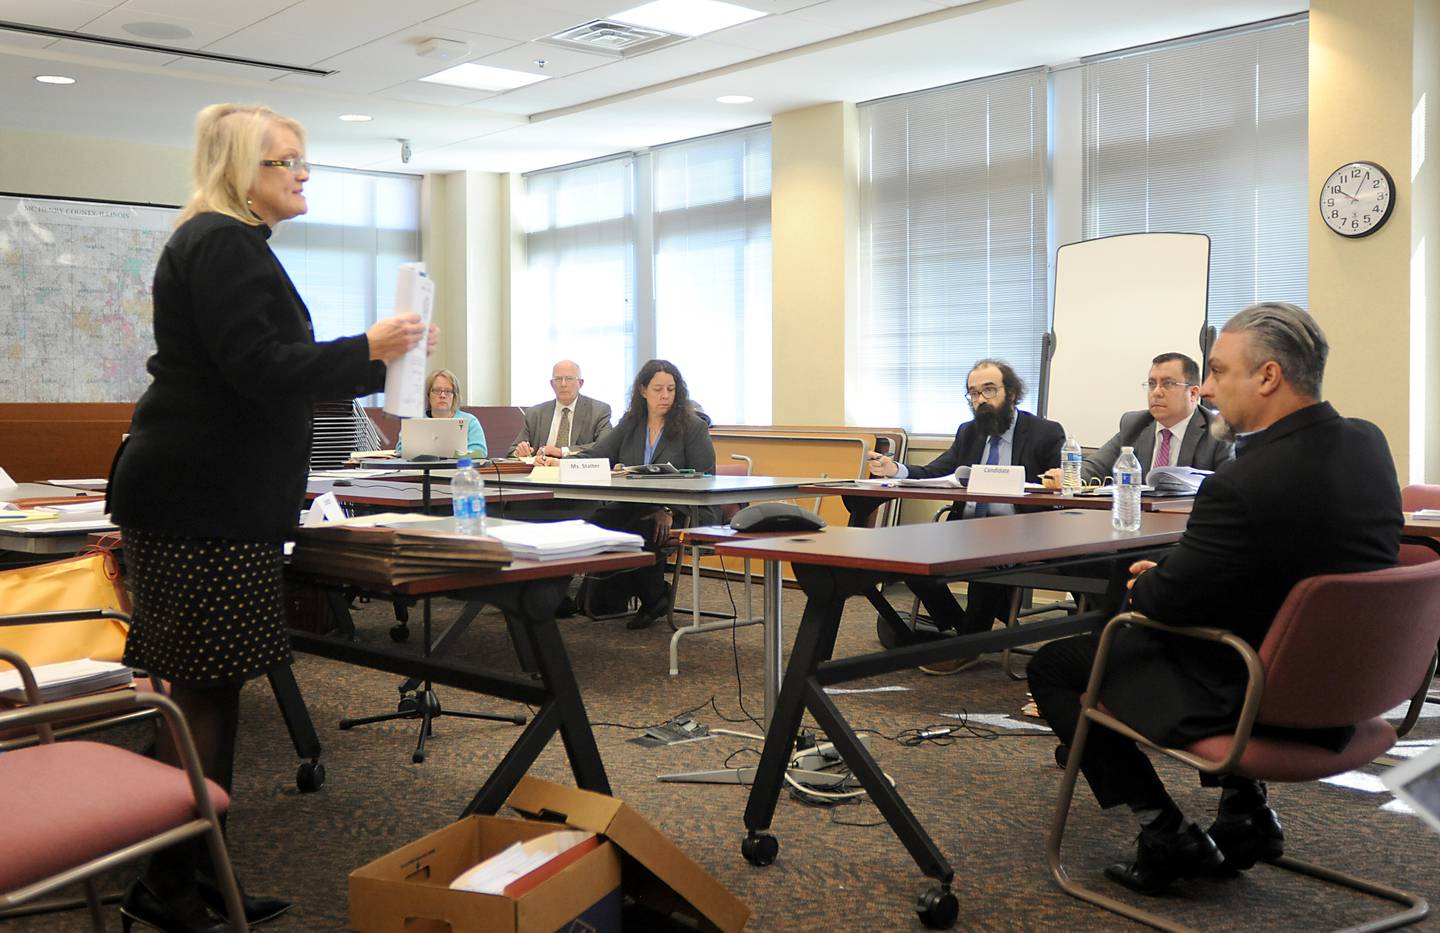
(986, 797)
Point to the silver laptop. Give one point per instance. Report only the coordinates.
(435, 437)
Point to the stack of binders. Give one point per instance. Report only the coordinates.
(391, 556)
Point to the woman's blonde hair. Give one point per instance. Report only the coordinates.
(454, 384)
(230, 140)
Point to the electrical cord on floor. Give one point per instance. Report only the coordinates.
(734, 644)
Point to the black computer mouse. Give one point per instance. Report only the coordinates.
(342, 482)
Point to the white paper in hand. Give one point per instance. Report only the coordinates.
(405, 377)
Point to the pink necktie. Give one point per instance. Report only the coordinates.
(1162, 456)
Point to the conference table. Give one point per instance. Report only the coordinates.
(836, 564)
(1030, 499)
(527, 592)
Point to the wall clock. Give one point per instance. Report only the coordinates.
(1357, 199)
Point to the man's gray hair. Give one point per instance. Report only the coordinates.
(1285, 333)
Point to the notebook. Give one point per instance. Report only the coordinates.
(434, 437)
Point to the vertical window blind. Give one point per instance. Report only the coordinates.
(712, 270)
(1207, 136)
(952, 251)
(579, 297)
(699, 213)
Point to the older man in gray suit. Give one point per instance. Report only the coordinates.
(568, 425)
(1173, 431)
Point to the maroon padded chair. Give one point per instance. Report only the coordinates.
(73, 810)
(1412, 498)
(1386, 621)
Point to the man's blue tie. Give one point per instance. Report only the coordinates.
(992, 458)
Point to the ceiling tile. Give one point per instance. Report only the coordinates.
(202, 33)
(227, 12)
(513, 19)
(558, 62)
(777, 33)
(56, 14)
(862, 14)
(20, 40)
(314, 30)
(225, 70)
(104, 53)
(420, 93)
(392, 60)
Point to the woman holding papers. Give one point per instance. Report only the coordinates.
(204, 517)
(442, 394)
(659, 426)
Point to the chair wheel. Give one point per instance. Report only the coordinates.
(310, 777)
(1062, 755)
(400, 632)
(938, 908)
(760, 849)
(418, 757)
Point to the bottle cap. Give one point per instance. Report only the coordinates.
(465, 463)
(1126, 450)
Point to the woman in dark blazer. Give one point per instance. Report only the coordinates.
(205, 518)
(659, 426)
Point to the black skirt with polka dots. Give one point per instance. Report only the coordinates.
(207, 610)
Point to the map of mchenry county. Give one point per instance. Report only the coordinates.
(75, 313)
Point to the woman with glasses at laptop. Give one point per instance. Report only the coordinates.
(659, 426)
(235, 360)
(442, 394)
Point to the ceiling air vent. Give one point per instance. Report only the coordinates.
(607, 37)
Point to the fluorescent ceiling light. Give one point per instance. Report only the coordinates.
(54, 79)
(483, 77)
(356, 117)
(687, 17)
(734, 99)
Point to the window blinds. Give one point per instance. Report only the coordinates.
(1208, 136)
(952, 251)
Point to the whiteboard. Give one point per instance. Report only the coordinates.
(1121, 301)
(75, 311)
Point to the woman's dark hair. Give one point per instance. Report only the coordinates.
(638, 410)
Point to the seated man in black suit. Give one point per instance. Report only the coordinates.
(1173, 430)
(1309, 493)
(1002, 434)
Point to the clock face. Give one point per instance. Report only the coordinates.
(1357, 199)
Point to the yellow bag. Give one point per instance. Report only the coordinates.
(87, 581)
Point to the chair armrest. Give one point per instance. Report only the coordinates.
(1249, 709)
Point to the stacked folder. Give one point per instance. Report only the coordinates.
(560, 540)
(66, 679)
(391, 556)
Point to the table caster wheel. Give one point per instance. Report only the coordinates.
(418, 758)
(310, 777)
(760, 848)
(938, 908)
(1062, 755)
(400, 632)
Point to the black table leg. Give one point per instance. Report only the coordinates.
(311, 773)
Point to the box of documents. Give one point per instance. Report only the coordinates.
(549, 878)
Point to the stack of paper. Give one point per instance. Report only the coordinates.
(1426, 515)
(67, 679)
(524, 865)
(1176, 479)
(391, 556)
(557, 540)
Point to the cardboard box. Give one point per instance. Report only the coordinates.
(406, 891)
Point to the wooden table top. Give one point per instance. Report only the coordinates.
(948, 548)
(955, 494)
(1421, 527)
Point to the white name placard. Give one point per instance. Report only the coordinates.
(996, 480)
(324, 509)
(585, 470)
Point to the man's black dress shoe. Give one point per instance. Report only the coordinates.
(648, 614)
(259, 908)
(186, 914)
(1164, 855)
(1245, 840)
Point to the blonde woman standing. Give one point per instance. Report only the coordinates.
(235, 357)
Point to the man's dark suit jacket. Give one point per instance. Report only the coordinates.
(1198, 448)
(590, 423)
(1312, 494)
(1036, 447)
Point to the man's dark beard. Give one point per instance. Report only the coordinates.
(993, 421)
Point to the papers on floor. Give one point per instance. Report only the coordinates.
(557, 540)
(67, 679)
(390, 556)
(522, 866)
(1176, 479)
(840, 691)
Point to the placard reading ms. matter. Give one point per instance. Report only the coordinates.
(75, 312)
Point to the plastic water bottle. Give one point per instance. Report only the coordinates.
(1125, 508)
(467, 499)
(1070, 460)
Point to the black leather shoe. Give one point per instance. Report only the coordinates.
(647, 615)
(1245, 840)
(1163, 856)
(259, 908)
(187, 914)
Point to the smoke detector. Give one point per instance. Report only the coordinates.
(443, 50)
